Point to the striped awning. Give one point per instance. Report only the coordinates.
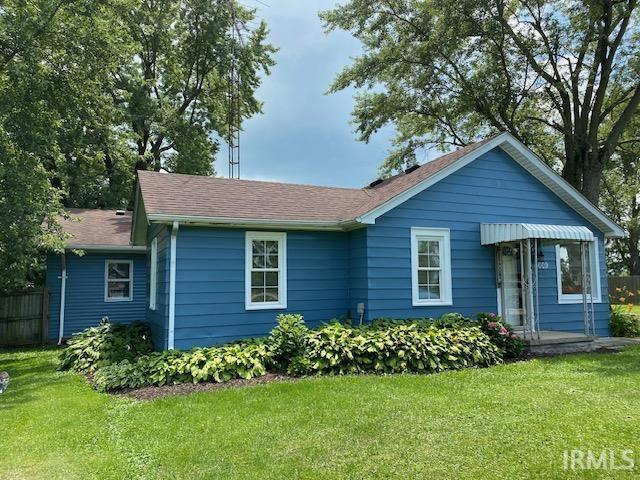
(491, 233)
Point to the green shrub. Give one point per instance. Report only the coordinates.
(501, 334)
(386, 346)
(217, 364)
(448, 320)
(405, 347)
(287, 340)
(623, 323)
(453, 320)
(105, 344)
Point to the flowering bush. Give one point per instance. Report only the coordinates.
(623, 322)
(501, 334)
(623, 299)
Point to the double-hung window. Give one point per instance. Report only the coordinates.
(569, 272)
(265, 275)
(430, 266)
(118, 281)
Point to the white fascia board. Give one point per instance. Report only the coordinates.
(249, 222)
(107, 248)
(550, 178)
(529, 161)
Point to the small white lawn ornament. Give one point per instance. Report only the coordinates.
(4, 381)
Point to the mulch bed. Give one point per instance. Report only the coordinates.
(152, 393)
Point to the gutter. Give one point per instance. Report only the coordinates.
(107, 248)
(253, 222)
(63, 294)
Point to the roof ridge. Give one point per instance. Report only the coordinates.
(224, 179)
(444, 156)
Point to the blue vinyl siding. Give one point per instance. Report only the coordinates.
(85, 304)
(210, 284)
(357, 271)
(158, 318)
(492, 189)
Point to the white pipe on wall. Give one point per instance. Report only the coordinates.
(172, 286)
(63, 294)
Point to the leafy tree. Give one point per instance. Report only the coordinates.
(90, 90)
(174, 90)
(27, 224)
(563, 77)
(621, 200)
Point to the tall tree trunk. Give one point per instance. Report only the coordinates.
(591, 181)
(633, 241)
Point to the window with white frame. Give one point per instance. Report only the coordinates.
(153, 274)
(431, 266)
(265, 276)
(569, 272)
(118, 280)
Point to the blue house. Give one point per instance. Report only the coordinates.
(205, 260)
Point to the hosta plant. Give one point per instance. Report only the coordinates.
(105, 344)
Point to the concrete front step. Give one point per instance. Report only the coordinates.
(553, 343)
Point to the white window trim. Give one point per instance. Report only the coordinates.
(106, 280)
(281, 238)
(594, 256)
(153, 274)
(444, 237)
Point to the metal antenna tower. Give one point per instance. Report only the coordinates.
(233, 98)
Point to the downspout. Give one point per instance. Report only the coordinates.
(172, 287)
(63, 294)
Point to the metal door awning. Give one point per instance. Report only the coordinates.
(492, 233)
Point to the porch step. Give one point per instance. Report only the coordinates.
(553, 343)
(550, 342)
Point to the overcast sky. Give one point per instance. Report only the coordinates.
(305, 136)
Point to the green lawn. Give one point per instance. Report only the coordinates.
(512, 421)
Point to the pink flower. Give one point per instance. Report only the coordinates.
(514, 336)
(503, 331)
(492, 315)
(492, 325)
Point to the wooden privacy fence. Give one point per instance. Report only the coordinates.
(631, 282)
(23, 317)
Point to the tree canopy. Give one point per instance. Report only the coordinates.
(91, 90)
(561, 76)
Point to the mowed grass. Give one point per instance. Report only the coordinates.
(512, 421)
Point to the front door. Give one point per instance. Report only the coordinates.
(511, 289)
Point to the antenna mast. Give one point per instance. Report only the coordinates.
(233, 98)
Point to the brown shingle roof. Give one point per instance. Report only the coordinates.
(92, 227)
(198, 196)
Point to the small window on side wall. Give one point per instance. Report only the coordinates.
(265, 270)
(431, 266)
(118, 285)
(569, 272)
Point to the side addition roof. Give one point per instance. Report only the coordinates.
(94, 229)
